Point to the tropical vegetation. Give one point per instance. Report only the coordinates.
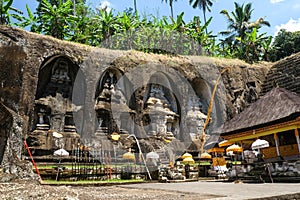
(74, 20)
(285, 43)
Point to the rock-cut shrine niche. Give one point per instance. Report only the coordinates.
(113, 90)
(198, 107)
(161, 113)
(54, 107)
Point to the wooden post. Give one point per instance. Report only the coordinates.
(276, 143)
(298, 139)
(243, 155)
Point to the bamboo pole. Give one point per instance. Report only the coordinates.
(210, 107)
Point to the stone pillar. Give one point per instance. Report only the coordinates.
(277, 144)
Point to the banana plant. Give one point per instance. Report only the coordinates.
(53, 20)
(24, 22)
(197, 33)
(253, 47)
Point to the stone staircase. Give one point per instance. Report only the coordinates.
(164, 160)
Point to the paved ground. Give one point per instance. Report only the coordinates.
(202, 190)
(234, 191)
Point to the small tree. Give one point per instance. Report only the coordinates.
(285, 44)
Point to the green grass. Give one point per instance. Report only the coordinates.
(87, 182)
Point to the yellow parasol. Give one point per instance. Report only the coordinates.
(129, 156)
(186, 155)
(216, 150)
(205, 155)
(115, 136)
(235, 149)
(225, 143)
(188, 160)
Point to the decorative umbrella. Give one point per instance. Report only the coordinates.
(61, 152)
(115, 136)
(152, 155)
(235, 149)
(186, 155)
(225, 143)
(57, 135)
(188, 160)
(205, 155)
(129, 156)
(259, 144)
(216, 150)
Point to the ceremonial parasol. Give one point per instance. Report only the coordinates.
(152, 155)
(225, 143)
(188, 160)
(61, 152)
(129, 156)
(259, 144)
(186, 155)
(205, 155)
(234, 148)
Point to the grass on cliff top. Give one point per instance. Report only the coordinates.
(90, 182)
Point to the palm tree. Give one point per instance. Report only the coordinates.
(242, 40)
(203, 5)
(171, 6)
(239, 23)
(134, 4)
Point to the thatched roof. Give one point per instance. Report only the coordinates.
(278, 105)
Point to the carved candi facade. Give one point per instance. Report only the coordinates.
(82, 93)
(152, 112)
(54, 107)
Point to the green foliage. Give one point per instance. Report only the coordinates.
(54, 19)
(128, 30)
(5, 12)
(30, 21)
(204, 5)
(285, 43)
(164, 35)
(242, 39)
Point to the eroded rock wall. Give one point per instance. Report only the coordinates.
(22, 55)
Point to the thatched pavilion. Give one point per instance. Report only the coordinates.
(275, 117)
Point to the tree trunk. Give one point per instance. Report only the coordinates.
(171, 6)
(134, 3)
(204, 15)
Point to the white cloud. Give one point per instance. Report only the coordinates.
(292, 25)
(296, 6)
(276, 1)
(105, 5)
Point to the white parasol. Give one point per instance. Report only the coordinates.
(61, 152)
(152, 155)
(57, 135)
(259, 144)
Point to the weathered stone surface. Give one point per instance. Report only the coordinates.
(12, 145)
(24, 55)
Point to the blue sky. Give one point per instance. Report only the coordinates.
(280, 13)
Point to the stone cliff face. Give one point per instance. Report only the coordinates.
(56, 86)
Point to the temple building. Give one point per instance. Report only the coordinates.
(275, 117)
